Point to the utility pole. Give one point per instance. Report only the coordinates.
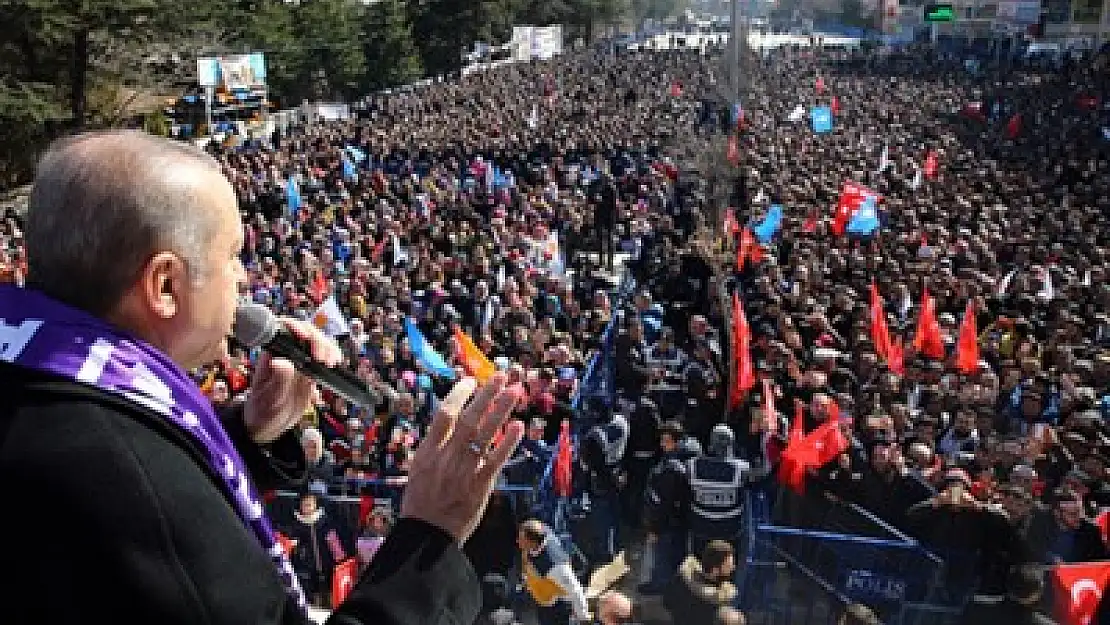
(734, 63)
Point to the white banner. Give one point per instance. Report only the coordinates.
(537, 42)
(234, 72)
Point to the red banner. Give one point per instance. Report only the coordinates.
(343, 581)
(1079, 589)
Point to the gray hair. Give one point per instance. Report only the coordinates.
(312, 434)
(102, 204)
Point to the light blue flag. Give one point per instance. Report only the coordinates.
(737, 113)
(502, 179)
(293, 196)
(822, 119)
(358, 155)
(772, 221)
(349, 172)
(425, 355)
(866, 219)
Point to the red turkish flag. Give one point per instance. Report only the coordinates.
(1079, 589)
(748, 249)
(741, 336)
(967, 347)
(810, 224)
(379, 249)
(834, 105)
(343, 581)
(931, 165)
(731, 225)
(236, 379)
(880, 334)
(1103, 523)
(792, 470)
(561, 475)
(318, 290)
(1088, 102)
(676, 89)
(896, 358)
(974, 110)
(817, 449)
(365, 507)
(820, 85)
(927, 340)
(828, 442)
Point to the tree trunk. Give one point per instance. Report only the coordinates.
(78, 77)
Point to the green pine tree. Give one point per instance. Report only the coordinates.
(268, 28)
(330, 34)
(392, 58)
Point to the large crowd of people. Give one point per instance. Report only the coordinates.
(493, 205)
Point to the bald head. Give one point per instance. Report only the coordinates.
(613, 608)
(104, 203)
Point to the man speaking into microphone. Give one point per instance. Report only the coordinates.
(142, 503)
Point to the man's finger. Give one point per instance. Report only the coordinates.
(497, 458)
(471, 417)
(443, 424)
(458, 396)
(502, 407)
(324, 349)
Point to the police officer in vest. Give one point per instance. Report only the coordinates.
(601, 456)
(549, 577)
(717, 482)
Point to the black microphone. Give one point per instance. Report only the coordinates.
(256, 326)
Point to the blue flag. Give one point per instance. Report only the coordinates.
(502, 179)
(349, 172)
(425, 354)
(293, 196)
(737, 113)
(866, 219)
(772, 221)
(355, 153)
(822, 119)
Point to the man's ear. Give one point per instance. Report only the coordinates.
(163, 281)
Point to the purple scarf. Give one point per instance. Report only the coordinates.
(39, 333)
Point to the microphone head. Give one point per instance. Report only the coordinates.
(254, 325)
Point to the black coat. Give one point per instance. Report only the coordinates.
(120, 519)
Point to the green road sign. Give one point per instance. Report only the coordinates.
(939, 13)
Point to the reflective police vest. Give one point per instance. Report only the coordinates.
(716, 495)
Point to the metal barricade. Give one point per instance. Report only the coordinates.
(806, 574)
(347, 510)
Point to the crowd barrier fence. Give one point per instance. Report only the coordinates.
(806, 573)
